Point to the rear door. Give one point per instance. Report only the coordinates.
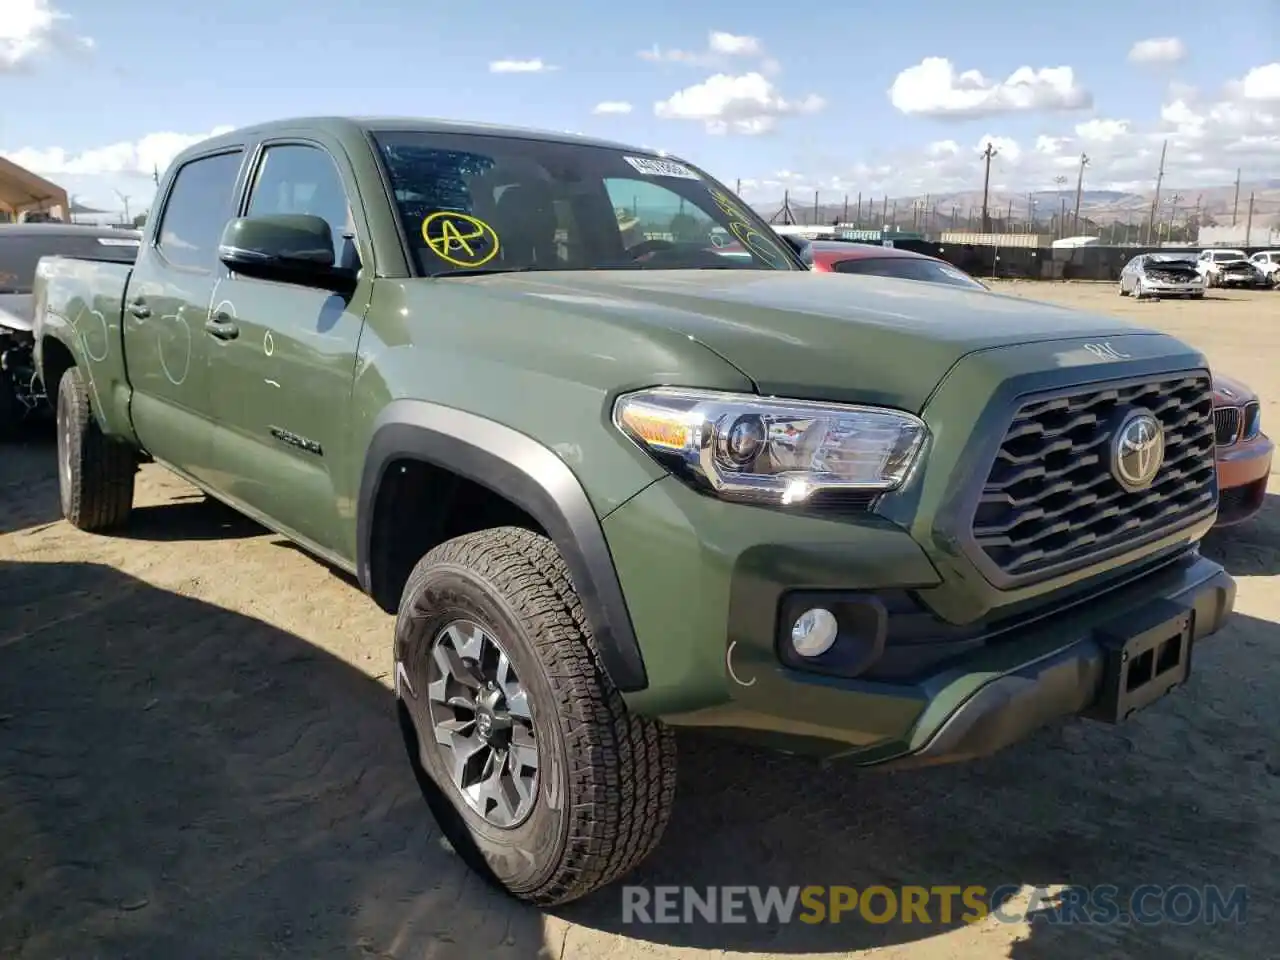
(282, 385)
(166, 308)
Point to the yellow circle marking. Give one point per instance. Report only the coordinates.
(459, 232)
(757, 243)
(726, 204)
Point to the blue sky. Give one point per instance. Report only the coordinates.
(817, 113)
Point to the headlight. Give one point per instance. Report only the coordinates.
(762, 449)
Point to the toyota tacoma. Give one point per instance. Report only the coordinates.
(613, 479)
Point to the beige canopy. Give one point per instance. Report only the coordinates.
(22, 191)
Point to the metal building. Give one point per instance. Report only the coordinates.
(23, 192)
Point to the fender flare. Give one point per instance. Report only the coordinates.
(532, 477)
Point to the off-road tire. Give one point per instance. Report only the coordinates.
(607, 777)
(95, 472)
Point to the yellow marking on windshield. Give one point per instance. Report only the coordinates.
(449, 233)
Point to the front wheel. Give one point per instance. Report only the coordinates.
(540, 777)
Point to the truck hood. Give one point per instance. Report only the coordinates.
(813, 335)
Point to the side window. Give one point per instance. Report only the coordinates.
(646, 211)
(294, 178)
(200, 204)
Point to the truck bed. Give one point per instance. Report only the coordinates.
(82, 299)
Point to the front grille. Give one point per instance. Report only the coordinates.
(1226, 425)
(1252, 420)
(1050, 501)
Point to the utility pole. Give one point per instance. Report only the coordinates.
(987, 154)
(815, 208)
(1235, 206)
(1075, 222)
(1173, 210)
(124, 198)
(1248, 224)
(1155, 201)
(859, 221)
(1061, 181)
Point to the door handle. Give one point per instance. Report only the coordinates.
(139, 309)
(222, 329)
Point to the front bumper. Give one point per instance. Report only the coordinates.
(712, 588)
(1149, 288)
(1243, 471)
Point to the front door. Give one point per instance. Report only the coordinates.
(165, 310)
(282, 385)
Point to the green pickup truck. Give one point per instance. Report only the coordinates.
(620, 463)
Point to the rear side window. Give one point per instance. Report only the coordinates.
(200, 204)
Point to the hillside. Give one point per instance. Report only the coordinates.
(1102, 207)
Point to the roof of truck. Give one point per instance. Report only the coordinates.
(358, 125)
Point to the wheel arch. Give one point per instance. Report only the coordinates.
(531, 477)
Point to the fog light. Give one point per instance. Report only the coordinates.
(814, 632)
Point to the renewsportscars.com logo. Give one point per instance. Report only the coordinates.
(1146, 905)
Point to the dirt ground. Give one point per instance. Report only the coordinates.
(199, 758)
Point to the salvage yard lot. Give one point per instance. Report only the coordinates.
(199, 758)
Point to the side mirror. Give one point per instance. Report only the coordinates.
(287, 247)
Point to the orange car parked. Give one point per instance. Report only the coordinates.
(1244, 451)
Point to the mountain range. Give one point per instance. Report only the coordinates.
(1212, 205)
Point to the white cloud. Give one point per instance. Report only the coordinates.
(933, 88)
(535, 65)
(31, 28)
(1099, 130)
(1262, 83)
(612, 107)
(745, 104)
(125, 158)
(733, 45)
(1210, 135)
(720, 47)
(1158, 50)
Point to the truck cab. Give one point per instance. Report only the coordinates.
(612, 479)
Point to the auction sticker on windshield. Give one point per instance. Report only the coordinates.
(651, 167)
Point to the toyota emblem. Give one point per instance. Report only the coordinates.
(1137, 452)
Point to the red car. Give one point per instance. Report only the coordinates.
(842, 256)
(1243, 450)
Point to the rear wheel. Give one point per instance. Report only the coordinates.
(540, 777)
(95, 473)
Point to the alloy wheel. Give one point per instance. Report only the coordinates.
(481, 723)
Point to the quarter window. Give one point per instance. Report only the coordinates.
(295, 178)
(200, 204)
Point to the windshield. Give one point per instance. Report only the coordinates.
(909, 268)
(492, 203)
(1169, 260)
(1224, 255)
(19, 253)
